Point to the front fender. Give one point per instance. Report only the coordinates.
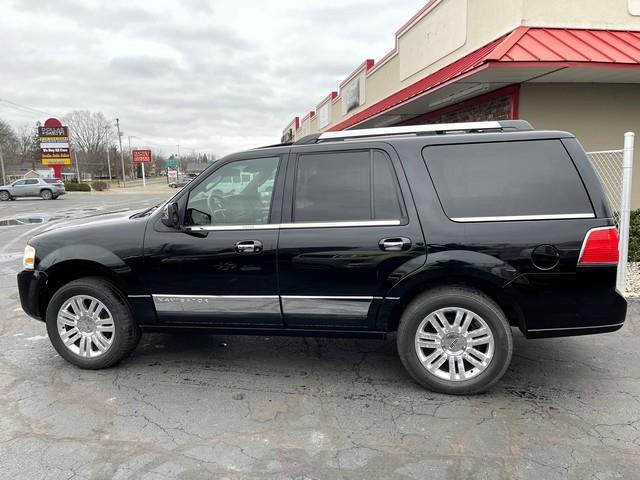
(83, 252)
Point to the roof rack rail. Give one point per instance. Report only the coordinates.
(432, 129)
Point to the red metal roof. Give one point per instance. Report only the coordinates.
(571, 45)
(524, 45)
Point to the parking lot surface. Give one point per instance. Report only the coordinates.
(206, 406)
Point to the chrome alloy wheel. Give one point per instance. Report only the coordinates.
(85, 326)
(454, 344)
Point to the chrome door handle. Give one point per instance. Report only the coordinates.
(396, 244)
(248, 246)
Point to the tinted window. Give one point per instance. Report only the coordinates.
(386, 198)
(19, 182)
(31, 182)
(333, 187)
(51, 180)
(239, 193)
(344, 186)
(506, 179)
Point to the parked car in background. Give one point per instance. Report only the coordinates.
(450, 235)
(180, 182)
(45, 188)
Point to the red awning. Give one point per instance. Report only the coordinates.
(524, 47)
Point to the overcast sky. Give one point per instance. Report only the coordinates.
(216, 76)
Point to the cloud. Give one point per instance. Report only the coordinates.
(212, 76)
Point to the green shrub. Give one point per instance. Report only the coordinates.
(77, 187)
(634, 236)
(99, 185)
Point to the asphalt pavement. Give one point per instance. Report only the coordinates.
(207, 406)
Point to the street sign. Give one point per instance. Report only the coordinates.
(141, 156)
(54, 143)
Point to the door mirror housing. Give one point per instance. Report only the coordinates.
(171, 216)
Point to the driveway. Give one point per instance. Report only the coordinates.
(204, 406)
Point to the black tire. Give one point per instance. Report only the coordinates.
(125, 337)
(46, 194)
(5, 196)
(465, 298)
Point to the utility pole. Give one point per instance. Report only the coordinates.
(108, 148)
(75, 154)
(109, 163)
(4, 178)
(124, 182)
(179, 162)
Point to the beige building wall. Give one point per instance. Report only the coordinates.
(451, 29)
(598, 114)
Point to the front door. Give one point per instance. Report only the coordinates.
(220, 268)
(20, 188)
(348, 235)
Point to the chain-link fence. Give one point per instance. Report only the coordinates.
(609, 166)
(614, 167)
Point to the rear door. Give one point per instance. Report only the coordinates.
(32, 187)
(349, 232)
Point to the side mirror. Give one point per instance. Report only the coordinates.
(170, 216)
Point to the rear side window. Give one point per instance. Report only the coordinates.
(51, 180)
(346, 186)
(506, 179)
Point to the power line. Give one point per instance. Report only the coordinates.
(25, 108)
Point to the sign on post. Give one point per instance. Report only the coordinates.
(141, 157)
(54, 145)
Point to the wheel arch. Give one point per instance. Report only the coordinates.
(67, 271)
(392, 311)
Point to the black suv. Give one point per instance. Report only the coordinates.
(448, 235)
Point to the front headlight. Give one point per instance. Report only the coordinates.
(29, 258)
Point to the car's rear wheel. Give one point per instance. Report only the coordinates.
(90, 325)
(4, 196)
(46, 194)
(455, 340)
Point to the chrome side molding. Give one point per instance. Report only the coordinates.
(520, 218)
(305, 225)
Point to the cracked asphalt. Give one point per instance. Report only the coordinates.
(205, 406)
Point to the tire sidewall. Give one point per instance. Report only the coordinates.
(4, 196)
(483, 307)
(46, 195)
(122, 321)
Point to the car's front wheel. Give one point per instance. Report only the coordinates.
(455, 340)
(90, 325)
(4, 196)
(46, 195)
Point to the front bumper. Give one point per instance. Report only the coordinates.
(32, 290)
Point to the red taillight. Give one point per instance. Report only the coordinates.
(600, 247)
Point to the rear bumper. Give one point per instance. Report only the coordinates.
(560, 305)
(31, 287)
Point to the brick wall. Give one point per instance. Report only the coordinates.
(498, 108)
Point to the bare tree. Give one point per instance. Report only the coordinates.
(8, 143)
(90, 132)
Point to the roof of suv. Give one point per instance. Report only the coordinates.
(435, 133)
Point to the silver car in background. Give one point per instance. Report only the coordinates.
(45, 188)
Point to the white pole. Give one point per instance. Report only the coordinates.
(4, 178)
(144, 182)
(109, 164)
(124, 181)
(625, 207)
